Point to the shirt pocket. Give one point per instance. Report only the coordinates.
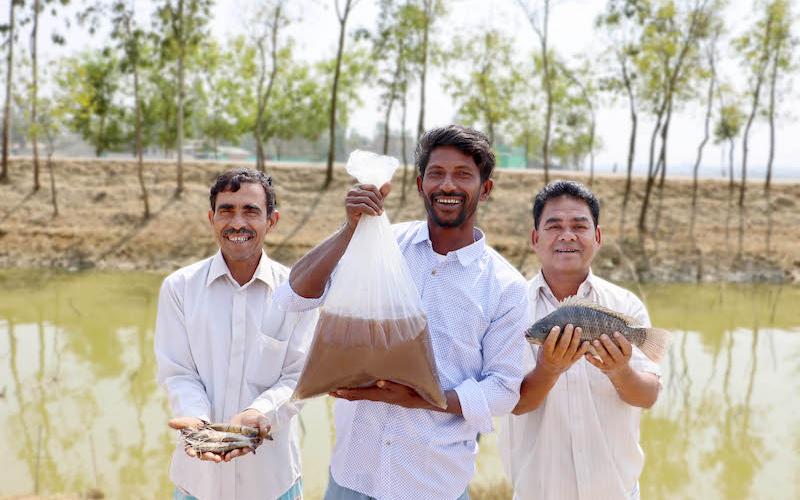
(265, 361)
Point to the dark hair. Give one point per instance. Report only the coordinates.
(467, 140)
(233, 179)
(565, 188)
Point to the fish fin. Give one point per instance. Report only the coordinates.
(593, 351)
(656, 342)
(575, 301)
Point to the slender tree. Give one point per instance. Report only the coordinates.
(342, 14)
(484, 91)
(267, 37)
(11, 35)
(184, 25)
(782, 45)
(131, 38)
(671, 49)
(755, 49)
(711, 58)
(539, 18)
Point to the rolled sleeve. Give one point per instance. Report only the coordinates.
(497, 393)
(275, 403)
(474, 406)
(288, 300)
(177, 371)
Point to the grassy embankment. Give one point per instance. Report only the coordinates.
(100, 222)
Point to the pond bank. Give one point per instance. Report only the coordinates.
(100, 221)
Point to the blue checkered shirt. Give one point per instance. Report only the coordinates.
(476, 304)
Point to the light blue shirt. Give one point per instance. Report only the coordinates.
(476, 305)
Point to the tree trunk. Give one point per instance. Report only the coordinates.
(403, 144)
(549, 93)
(631, 145)
(771, 115)
(642, 226)
(52, 182)
(139, 153)
(34, 92)
(7, 105)
(334, 91)
(179, 118)
(424, 70)
(263, 97)
(706, 135)
(754, 107)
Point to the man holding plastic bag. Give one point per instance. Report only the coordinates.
(403, 439)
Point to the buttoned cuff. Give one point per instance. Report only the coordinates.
(288, 300)
(474, 407)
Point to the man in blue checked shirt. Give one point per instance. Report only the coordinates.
(391, 443)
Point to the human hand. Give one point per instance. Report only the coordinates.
(251, 418)
(180, 423)
(614, 354)
(385, 392)
(557, 354)
(364, 199)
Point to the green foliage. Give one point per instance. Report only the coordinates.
(729, 123)
(89, 83)
(356, 69)
(485, 90)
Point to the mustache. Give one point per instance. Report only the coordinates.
(451, 195)
(243, 232)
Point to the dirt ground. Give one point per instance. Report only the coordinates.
(100, 221)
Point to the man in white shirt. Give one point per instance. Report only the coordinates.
(575, 432)
(391, 443)
(227, 353)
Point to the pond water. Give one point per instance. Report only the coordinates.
(80, 408)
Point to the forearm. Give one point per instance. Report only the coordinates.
(636, 388)
(453, 403)
(534, 389)
(310, 274)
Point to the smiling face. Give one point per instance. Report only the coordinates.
(240, 223)
(567, 239)
(451, 187)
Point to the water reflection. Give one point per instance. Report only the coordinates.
(80, 408)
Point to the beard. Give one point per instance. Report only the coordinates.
(467, 209)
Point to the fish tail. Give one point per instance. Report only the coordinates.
(655, 344)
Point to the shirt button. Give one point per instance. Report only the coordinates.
(433, 272)
(388, 443)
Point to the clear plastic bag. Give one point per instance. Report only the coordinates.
(372, 326)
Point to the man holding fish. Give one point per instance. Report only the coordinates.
(228, 356)
(574, 433)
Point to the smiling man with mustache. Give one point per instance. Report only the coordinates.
(390, 442)
(227, 353)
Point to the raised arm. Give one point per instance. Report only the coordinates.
(310, 274)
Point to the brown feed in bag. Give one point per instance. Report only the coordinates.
(352, 352)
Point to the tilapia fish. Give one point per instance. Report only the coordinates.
(596, 320)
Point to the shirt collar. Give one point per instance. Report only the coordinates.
(220, 268)
(585, 288)
(466, 255)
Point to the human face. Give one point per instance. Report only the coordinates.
(240, 223)
(567, 238)
(452, 187)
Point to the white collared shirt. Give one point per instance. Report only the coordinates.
(222, 348)
(583, 441)
(476, 307)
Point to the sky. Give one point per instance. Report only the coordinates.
(315, 33)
